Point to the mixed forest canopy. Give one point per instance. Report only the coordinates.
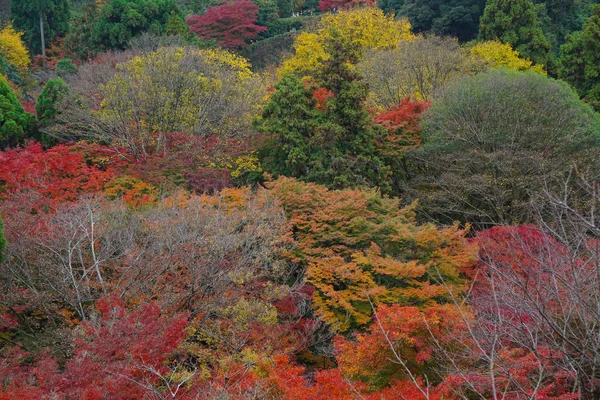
(299, 199)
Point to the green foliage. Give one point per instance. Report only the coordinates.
(515, 22)
(56, 16)
(458, 18)
(268, 13)
(561, 17)
(330, 140)
(121, 20)
(52, 94)
(15, 123)
(65, 67)
(80, 41)
(285, 8)
(176, 25)
(281, 26)
(524, 133)
(580, 60)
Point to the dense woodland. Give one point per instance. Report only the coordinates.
(300, 199)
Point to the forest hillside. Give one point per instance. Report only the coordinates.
(299, 199)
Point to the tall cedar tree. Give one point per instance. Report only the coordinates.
(515, 22)
(327, 137)
(580, 60)
(31, 16)
(232, 24)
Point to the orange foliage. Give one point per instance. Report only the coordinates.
(358, 245)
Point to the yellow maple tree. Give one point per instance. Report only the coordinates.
(13, 49)
(493, 54)
(368, 27)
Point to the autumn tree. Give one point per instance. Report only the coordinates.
(489, 173)
(515, 22)
(579, 60)
(532, 329)
(495, 54)
(42, 21)
(357, 245)
(232, 24)
(364, 27)
(15, 123)
(172, 89)
(13, 49)
(418, 68)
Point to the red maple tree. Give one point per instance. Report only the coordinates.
(232, 24)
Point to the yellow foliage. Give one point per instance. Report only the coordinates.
(497, 54)
(246, 163)
(368, 27)
(13, 49)
(221, 57)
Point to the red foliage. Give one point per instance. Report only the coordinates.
(401, 121)
(231, 24)
(321, 95)
(55, 176)
(121, 356)
(29, 107)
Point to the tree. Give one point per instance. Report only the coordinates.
(48, 100)
(176, 25)
(524, 132)
(515, 22)
(15, 123)
(80, 40)
(13, 49)
(358, 246)
(495, 54)
(336, 146)
(579, 58)
(417, 68)
(459, 18)
(119, 21)
(366, 27)
(172, 89)
(232, 24)
(42, 21)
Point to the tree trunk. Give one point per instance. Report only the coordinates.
(42, 34)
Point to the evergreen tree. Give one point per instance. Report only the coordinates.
(51, 96)
(176, 25)
(121, 20)
(34, 16)
(515, 22)
(580, 60)
(80, 40)
(15, 123)
(322, 132)
(458, 18)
